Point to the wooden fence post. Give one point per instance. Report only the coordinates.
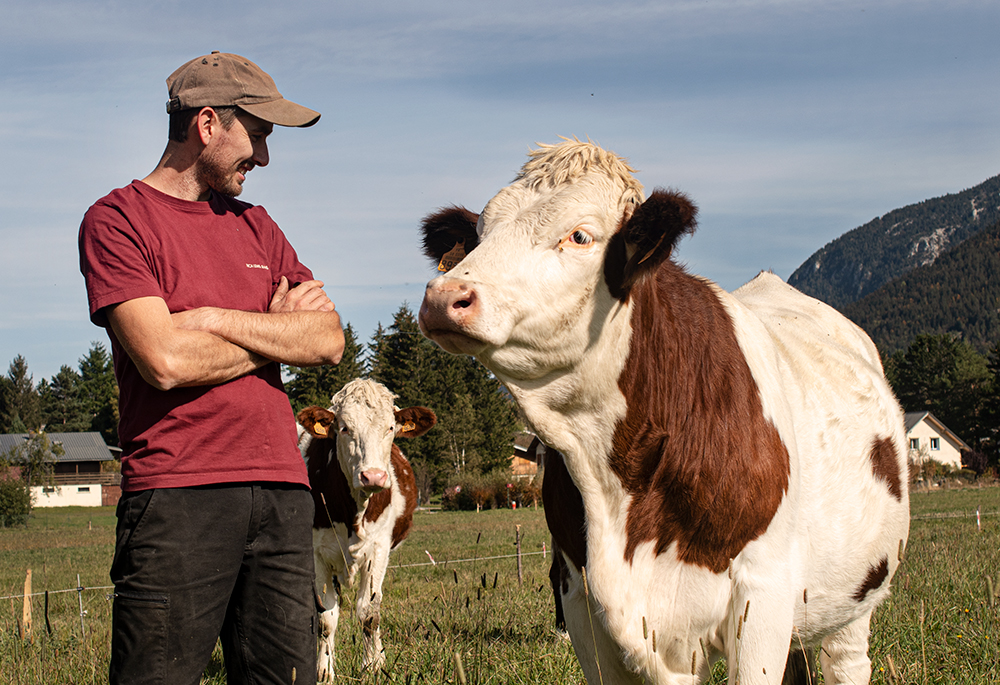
(26, 611)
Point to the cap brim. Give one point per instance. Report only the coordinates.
(283, 113)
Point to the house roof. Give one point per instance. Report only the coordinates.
(912, 418)
(76, 446)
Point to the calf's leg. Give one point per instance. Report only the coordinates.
(328, 592)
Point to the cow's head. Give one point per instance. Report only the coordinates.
(531, 281)
(364, 422)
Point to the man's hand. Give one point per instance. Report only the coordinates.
(305, 297)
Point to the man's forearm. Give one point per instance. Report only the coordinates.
(301, 338)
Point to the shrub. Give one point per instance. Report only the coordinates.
(15, 502)
(493, 490)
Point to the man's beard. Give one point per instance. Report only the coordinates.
(220, 179)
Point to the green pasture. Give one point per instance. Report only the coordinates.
(940, 625)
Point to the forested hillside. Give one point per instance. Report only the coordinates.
(866, 258)
(958, 293)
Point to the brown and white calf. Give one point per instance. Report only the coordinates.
(733, 475)
(365, 496)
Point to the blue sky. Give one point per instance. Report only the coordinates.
(789, 123)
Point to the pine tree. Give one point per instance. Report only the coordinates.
(21, 408)
(944, 375)
(63, 409)
(99, 392)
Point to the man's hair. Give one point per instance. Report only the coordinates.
(180, 121)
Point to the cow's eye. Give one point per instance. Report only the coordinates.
(343, 429)
(578, 238)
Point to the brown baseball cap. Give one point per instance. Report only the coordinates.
(222, 79)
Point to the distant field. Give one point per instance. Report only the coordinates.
(940, 625)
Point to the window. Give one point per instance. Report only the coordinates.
(935, 443)
(83, 489)
(46, 489)
(914, 443)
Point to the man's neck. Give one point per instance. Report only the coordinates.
(175, 175)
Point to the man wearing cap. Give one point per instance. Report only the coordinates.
(202, 297)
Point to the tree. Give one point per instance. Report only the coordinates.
(63, 407)
(33, 459)
(99, 392)
(315, 385)
(944, 375)
(21, 405)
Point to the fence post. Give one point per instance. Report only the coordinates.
(520, 569)
(26, 611)
(79, 593)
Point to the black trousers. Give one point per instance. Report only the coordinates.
(193, 565)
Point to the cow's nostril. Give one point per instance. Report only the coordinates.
(462, 304)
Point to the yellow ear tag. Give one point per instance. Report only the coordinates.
(409, 426)
(452, 257)
(320, 429)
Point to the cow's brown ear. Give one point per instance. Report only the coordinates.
(449, 235)
(414, 422)
(647, 238)
(317, 421)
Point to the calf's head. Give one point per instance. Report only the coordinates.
(364, 422)
(530, 283)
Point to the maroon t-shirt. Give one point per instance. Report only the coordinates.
(139, 242)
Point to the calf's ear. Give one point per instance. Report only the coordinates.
(317, 421)
(647, 239)
(414, 422)
(449, 235)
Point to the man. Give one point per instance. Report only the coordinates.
(202, 297)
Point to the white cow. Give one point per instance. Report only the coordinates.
(365, 495)
(732, 480)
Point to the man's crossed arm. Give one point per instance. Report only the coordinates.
(209, 345)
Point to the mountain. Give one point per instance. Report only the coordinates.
(958, 293)
(866, 258)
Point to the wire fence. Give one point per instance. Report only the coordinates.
(448, 562)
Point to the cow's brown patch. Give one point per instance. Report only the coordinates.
(885, 466)
(331, 492)
(379, 501)
(876, 576)
(704, 467)
(563, 506)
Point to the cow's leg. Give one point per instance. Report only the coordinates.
(598, 654)
(371, 573)
(760, 632)
(844, 657)
(328, 593)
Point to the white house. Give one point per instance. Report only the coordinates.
(931, 439)
(78, 479)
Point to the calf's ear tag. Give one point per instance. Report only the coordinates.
(452, 257)
(320, 429)
(409, 426)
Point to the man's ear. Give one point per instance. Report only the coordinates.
(317, 421)
(449, 235)
(414, 422)
(647, 239)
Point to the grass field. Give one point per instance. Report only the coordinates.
(941, 624)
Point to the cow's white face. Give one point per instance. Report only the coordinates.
(364, 437)
(529, 298)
